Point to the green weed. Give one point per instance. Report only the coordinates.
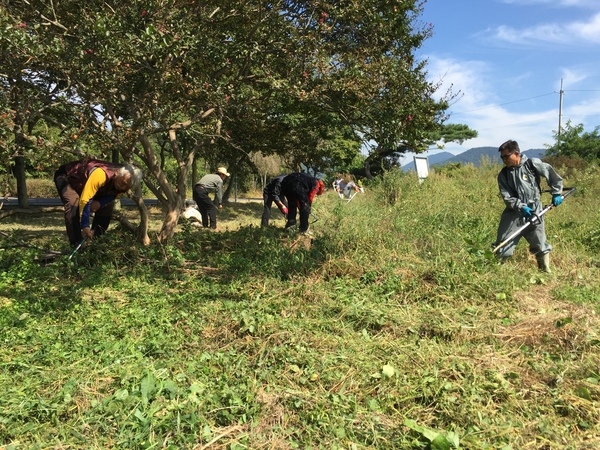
(392, 327)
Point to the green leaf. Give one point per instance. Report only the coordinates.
(121, 394)
(583, 392)
(564, 321)
(374, 405)
(410, 423)
(140, 416)
(441, 443)
(147, 387)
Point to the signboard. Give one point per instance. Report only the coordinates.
(422, 167)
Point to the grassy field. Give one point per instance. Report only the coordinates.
(393, 327)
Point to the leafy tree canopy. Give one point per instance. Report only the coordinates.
(310, 81)
(574, 141)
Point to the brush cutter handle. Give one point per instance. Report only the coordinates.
(569, 192)
(563, 196)
(534, 219)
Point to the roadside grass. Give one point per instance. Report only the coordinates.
(393, 327)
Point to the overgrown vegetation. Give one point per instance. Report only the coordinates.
(393, 328)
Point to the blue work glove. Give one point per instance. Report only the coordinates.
(527, 212)
(557, 199)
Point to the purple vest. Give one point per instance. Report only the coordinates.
(78, 173)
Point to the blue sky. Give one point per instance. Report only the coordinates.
(507, 59)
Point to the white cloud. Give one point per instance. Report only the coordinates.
(479, 109)
(572, 76)
(553, 33)
(587, 31)
(468, 77)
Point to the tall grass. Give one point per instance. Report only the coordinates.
(394, 327)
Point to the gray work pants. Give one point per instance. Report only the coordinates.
(511, 221)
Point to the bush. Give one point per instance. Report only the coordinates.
(40, 187)
(568, 166)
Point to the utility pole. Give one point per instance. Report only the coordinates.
(560, 102)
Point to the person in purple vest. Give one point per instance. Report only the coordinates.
(90, 186)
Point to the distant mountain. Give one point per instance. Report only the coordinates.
(536, 153)
(472, 156)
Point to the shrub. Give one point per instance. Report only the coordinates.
(41, 187)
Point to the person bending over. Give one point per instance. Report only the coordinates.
(90, 186)
(300, 190)
(212, 182)
(272, 193)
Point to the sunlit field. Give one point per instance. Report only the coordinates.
(392, 326)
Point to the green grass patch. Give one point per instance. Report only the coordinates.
(393, 327)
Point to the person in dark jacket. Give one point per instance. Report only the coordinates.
(300, 190)
(519, 188)
(212, 182)
(272, 193)
(90, 186)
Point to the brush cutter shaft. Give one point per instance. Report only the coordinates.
(535, 219)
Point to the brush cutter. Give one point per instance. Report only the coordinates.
(535, 219)
(351, 197)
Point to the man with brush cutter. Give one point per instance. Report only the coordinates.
(519, 184)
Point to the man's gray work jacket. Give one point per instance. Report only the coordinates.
(518, 186)
(213, 183)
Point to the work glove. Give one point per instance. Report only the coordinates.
(557, 199)
(527, 212)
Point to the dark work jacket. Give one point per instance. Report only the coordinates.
(299, 186)
(273, 189)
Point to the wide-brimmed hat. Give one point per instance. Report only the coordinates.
(223, 171)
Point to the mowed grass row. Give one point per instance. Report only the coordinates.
(394, 327)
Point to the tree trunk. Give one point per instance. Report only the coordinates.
(19, 172)
(169, 224)
(195, 172)
(142, 230)
(171, 199)
(368, 173)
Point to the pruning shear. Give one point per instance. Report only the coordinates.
(77, 248)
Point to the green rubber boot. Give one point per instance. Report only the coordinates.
(543, 262)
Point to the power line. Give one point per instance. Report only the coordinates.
(507, 103)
